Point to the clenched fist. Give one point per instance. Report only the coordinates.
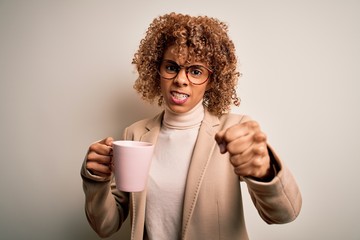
(247, 146)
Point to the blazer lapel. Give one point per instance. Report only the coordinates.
(203, 149)
(138, 199)
(153, 128)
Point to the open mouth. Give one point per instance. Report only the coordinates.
(179, 98)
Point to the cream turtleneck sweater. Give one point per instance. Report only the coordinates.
(168, 172)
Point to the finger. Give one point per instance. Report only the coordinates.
(260, 137)
(101, 148)
(108, 141)
(219, 136)
(226, 136)
(256, 167)
(239, 145)
(241, 165)
(98, 168)
(103, 159)
(254, 151)
(233, 132)
(242, 129)
(100, 174)
(220, 141)
(260, 149)
(237, 131)
(243, 170)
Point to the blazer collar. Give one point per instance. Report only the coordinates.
(138, 199)
(153, 128)
(203, 149)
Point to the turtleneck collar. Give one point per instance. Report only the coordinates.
(190, 119)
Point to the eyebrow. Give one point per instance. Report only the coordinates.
(171, 61)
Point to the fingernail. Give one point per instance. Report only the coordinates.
(222, 147)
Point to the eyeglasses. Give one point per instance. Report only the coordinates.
(196, 74)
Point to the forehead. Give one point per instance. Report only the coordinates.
(175, 53)
(181, 56)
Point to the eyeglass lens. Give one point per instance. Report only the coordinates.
(196, 74)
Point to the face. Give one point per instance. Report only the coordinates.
(180, 95)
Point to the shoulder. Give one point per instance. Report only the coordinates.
(140, 123)
(147, 122)
(142, 126)
(225, 120)
(229, 119)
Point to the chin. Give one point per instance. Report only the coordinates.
(178, 109)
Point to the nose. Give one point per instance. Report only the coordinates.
(181, 78)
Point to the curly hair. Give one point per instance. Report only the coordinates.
(206, 40)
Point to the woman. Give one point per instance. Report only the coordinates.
(202, 152)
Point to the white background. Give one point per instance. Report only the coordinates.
(66, 81)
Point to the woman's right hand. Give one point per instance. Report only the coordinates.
(99, 158)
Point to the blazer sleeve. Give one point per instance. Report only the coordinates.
(277, 201)
(106, 208)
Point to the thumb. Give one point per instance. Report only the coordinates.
(219, 138)
(107, 141)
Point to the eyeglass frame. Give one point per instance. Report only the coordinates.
(186, 71)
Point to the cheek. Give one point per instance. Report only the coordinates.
(198, 94)
(164, 85)
(204, 89)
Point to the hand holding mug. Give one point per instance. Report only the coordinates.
(99, 158)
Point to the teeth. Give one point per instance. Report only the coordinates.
(180, 95)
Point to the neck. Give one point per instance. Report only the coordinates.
(185, 120)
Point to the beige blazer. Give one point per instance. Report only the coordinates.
(212, 202)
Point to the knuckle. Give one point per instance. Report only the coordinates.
(92, 147)
(245, 172)
(257, 173)
(230, 147)
(257, 162)
(252, 124)
(259, 150)
(95, 147)
(233, 160)
(91, 156)
(238, 171)
(264, 136)
(90, 165)
(109, 141)
(227, 136)
(260, 136)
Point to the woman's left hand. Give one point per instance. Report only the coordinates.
(247, 146)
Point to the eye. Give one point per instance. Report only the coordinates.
(196, 71)
(171, 68)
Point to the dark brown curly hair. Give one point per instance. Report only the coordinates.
(206, 40)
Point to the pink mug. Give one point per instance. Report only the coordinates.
(132, 160)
